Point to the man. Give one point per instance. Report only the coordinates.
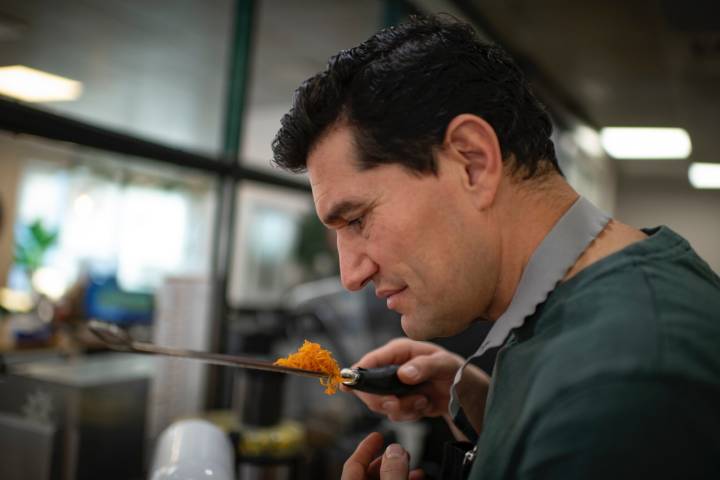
(432, 160)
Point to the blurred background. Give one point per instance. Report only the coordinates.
(136, 189)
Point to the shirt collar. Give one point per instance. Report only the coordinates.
(549, 263)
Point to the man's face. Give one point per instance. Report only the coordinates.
(415, 237)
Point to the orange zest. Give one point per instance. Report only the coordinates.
(311, 356)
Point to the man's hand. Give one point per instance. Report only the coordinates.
(420, 362)
(427, 363)
(392, 465)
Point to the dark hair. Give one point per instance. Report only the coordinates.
(400, 89)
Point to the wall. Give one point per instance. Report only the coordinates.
(586, 166)
(694, 214)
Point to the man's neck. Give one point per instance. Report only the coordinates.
(526, 215)
(613, 238)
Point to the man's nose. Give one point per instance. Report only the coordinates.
(356, 267)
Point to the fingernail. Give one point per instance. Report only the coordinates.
(421, 403)
(394, 451)
(410, 371)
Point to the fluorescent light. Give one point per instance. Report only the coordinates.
(588, 140)
(30, 85)
(646, 143)
(704, 175)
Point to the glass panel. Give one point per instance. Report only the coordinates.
(89, 234)
(77, 217)
(293, 41)
(270, 226)
(154, 69)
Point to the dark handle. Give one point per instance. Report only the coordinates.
(382, 381)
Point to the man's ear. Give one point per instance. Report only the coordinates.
(472, 142)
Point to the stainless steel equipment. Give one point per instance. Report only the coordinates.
(79, 419)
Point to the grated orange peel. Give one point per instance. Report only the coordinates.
(311, 356)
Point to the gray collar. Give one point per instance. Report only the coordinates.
(559, 251)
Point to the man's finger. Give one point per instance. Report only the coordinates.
(416, 474)
(357, 465)
(414, 403)
(438, 365)
(394, 463)
(395, 352)
(373, 470)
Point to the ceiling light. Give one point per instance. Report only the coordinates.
(588, 140)
(704, 175)
(30, 85)
(646, 143)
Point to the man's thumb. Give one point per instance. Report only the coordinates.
(428, 367)
(410, 374)
(394, 463)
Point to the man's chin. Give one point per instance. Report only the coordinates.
(417, 329)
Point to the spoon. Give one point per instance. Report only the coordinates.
(381, 380)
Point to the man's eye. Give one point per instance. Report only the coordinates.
(357, 222)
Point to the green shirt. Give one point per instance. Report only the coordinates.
(616, 374)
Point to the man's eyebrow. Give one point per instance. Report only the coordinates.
(340, 210)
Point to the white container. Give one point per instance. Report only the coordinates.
(192, 450)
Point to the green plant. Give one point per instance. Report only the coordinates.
(33, 242)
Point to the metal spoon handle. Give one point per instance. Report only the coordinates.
(221, 359)
(117, 339)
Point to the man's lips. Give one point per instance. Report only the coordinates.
(391, 296)
(385, 293)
